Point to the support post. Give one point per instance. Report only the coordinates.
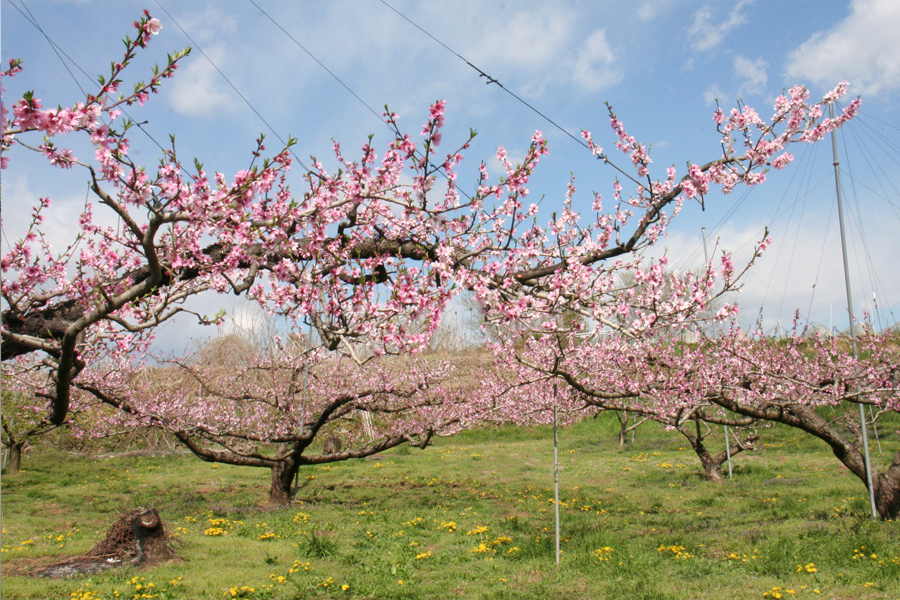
(727, 443)
(556, 469)
(862, 410)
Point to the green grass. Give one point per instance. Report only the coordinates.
(471, 517)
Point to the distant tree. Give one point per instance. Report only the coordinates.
(272, 408)
(23, 417)
(732, 379)
(631, 378)
(628, 423)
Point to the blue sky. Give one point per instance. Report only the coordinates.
(660, 64)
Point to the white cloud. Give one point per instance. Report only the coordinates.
(713, 93)
(200, 90)
(596, 67)
(863, 48)
(526, 39)
(800, 271)
(706, 32)
(751, 73)
(210, 26)
(647, 11)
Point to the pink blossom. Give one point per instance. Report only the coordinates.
(27, 113)
(782, 160)
(718, 116)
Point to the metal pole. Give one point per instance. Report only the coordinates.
(305, 384)
(862, 411)
(556, 470)
(727, 443)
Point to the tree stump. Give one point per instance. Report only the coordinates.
(150, 538)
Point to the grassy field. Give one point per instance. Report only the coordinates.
(471, 517)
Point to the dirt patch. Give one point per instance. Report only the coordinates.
(23, 567)
(137, 537)
(783, 481)
(212, 489)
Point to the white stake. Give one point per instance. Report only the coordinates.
(862, 411)
(556, 470)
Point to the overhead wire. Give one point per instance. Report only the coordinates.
(857, 222)
(32, 20)
(481, 73)
(865, 264)
(734, 207)
(378, 116)
(800, 179)
(800, 200)
(887, 149)
(234, 87)
(875, 280)
(863, 121)
(812, 295)
(318, 62)
(890, 151)
(489, 79)
(60, 53)
(871, 160)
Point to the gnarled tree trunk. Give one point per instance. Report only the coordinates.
(15, 457)
(712, 466)
(886, 486)
(283, 473)
(887, 491)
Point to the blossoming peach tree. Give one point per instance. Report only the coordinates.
(731, 379)
(807, 383)
(268, 409)
(613, 373)
(335, 258)
(360, 256)
(635, 360)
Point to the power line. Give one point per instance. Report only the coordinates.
(378, 116)
(489, 79)
(234, 87)
(874, 279)
(318, 62)
(31, 19)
